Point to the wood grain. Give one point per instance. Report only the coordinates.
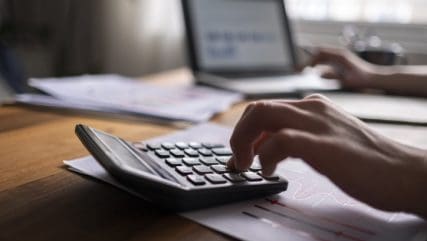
(40, 200)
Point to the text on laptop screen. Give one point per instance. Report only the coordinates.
(240, 34)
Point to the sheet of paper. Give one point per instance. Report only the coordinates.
(380, 107)
(114, 92)
(289, 84)
(41, 100)
(311, 209)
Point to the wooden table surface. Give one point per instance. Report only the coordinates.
(41, 200)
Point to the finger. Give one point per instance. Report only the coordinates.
(300, 103)
(330, 75)
(286, 143)
(263, 137)
(312, 52)
(299, 68)
(313, 104)
(318, 97)
(262, 117)
(231, 163)
(329, 72)
(329, 55)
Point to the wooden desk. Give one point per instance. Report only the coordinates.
(41, 200)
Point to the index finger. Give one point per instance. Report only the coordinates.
(261, 117)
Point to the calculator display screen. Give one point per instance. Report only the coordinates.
(122, 154)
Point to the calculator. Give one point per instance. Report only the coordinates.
(178, 176)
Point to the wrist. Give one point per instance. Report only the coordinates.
(377, 76)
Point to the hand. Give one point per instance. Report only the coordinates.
(363, 163)
(341, 64)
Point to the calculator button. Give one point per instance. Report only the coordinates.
(202, 169)
(220, 169)
(162, 153)
(223, 159)
(191, 152)
(270, 178)
(153, 146)
(181, 145)
(168, 145)
(215, 178)
(205, 152)
(255, 167)
(195, 145)
(196, 180)
(252, 177)
(177, 153)
(234, 177)
(190, 161)
(173, 162)
(208, 161)
(222, 151)
(211, 145)
(140, 146)
(184, 170)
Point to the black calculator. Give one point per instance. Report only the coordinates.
(178, 176)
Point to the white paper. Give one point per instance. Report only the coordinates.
(112, 92)
(311, 209)
(380, 107)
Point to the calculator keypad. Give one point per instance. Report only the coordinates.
(203, 163)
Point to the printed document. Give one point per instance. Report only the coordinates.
(118, 94)
(312, 208)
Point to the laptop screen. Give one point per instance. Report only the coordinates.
(240, 35)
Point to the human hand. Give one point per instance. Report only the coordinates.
(341, 64)
(363, 163)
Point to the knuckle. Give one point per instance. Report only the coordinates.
(258, 106)
(285, 136)
(253, 105)
(249, 107)
(314, 97)
(318, 103)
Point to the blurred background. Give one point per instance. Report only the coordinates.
(135, 37)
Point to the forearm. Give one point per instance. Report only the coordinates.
(405, 80)
(413, 170)
(420, 188)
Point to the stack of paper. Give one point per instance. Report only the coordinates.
(120, 95)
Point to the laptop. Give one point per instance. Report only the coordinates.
(245, 46)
